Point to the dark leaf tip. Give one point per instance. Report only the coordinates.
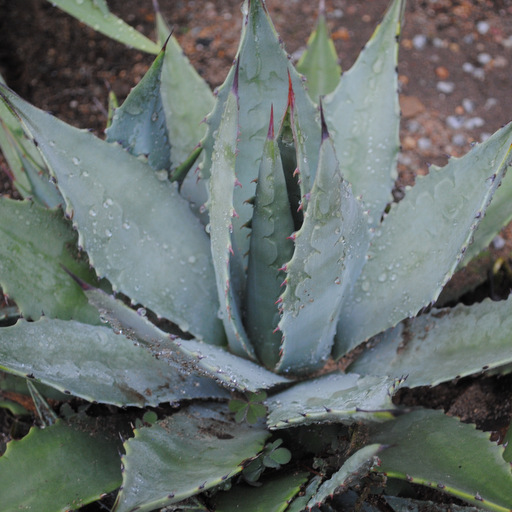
(325, 131)
(270, 135)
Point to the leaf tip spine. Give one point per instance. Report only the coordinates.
(325, 131)
(270, 135)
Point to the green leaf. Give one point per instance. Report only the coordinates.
(187, 99)
(363, 116)
(183, 455)
(408, 266)
(319, 63)
(95, 363)
(30, 174)
(57, 469)
(273, 496)
(226, 255)
(431, 449)
(497, 215)
(299, 503)
(31, 264)
(139, 124)
(270, 249)
(107, 193)
(343, 398)
(194, 356)
(97, 16)
(182, 85)
(443, 345)
(353, 470)
(329, 254)
(263, 81)
(411, 505)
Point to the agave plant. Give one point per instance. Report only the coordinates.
(224, 268)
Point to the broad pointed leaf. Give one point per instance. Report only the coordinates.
(353, 470)
(273, 495)
(193, 356)
(412, 505)
(299, 503)
(363, 116)
(31, 265)
(139, 125)
(270, 249)
(428, 448)
(96, 14)
(329, 254)
(226, 256)
(319, 63)
(262, 82)
(95, 363)
(30, 175)
(57, 469)
(497, 215)
(183, 455)
(443, 345)
(421, 241)
(158, 256)
(187, 99)
(343, 398)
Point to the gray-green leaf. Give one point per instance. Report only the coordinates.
(142, 250)
(421, 241)
(428, 448)
(32, 266)
(443, 345)
(319, 63)
(183, 455)
(139, 124)
(343, 398)
(95, 363)
(329, 254)
(96, 14)
(363, 116)
(57, 469)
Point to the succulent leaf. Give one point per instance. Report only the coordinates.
(344, 398)
(182, 85)
(29, 173)
(407, 266)
(497, 215)
(107, 191)
(73, 468)
(363, 116)
(273, 496)
(182, 455)
(139, 125)
(329, 254)
(412, 505)
(442, 345)
(225, 252)
(319, 63)
(300, 502)
(356, 467)
(428, 448)
(95, 13)
(270, 248)
(95, 363)
(31, 266)
(192, 356)
(263, 77)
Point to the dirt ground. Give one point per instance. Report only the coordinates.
(455, 83)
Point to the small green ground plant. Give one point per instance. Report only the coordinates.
(222, 267)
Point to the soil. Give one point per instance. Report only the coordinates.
(454, 76)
